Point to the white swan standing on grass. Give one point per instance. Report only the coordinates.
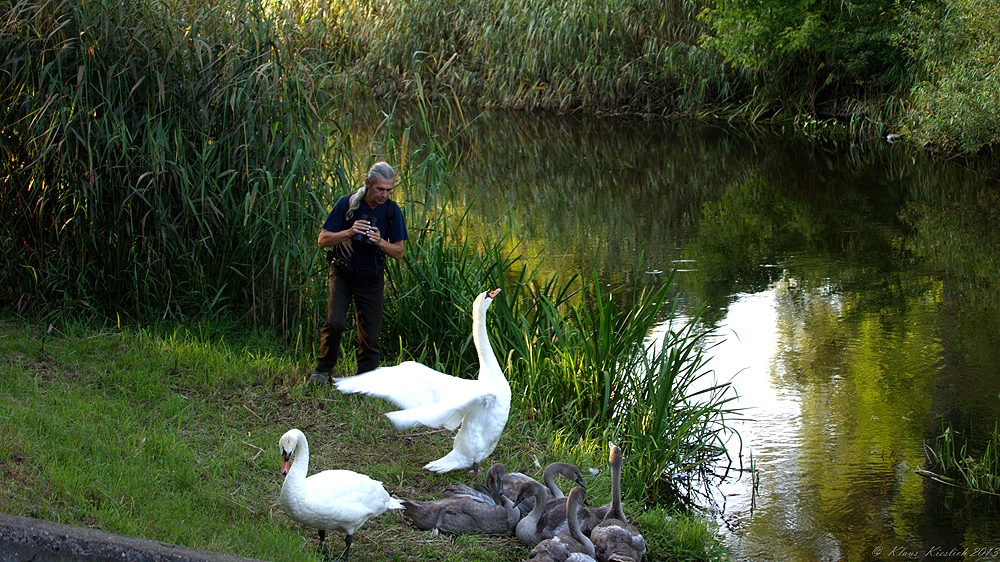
(332, 500)
(479, 408)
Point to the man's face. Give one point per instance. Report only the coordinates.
(378, 191)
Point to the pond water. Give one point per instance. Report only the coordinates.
(853, 292)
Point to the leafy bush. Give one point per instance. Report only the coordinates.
(958, 105)
(815, 56)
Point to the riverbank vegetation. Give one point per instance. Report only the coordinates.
(925, 68)
(159, 153)
(169, 162)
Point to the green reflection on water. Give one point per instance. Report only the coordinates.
(882, 267)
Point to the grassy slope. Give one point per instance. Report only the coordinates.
(174, 436)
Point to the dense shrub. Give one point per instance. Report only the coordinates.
(815, 57)
(958, 105)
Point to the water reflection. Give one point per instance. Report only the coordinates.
(854, 292)
(837, 406)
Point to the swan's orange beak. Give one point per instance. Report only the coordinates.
(493, 294)
(286, 463)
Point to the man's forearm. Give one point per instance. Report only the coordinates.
(329, 239)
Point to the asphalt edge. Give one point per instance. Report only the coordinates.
(23, 539)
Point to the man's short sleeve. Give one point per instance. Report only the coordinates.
(336, 222)
(397, 225)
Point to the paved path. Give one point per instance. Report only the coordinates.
(34, 540)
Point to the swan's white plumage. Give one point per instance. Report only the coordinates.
(332, 500)
(408, 385)
(449, 412)
(477, 408)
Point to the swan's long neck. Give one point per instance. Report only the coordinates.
(549, 478)
(300, 462)
(616, 488)
(573, 522)
(513, 513)
(541, 498)
(487, 359)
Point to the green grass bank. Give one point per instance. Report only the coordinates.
(171, 434)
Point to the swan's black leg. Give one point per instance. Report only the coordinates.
(322, 544)
(347, 541)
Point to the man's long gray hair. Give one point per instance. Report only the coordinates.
(379, 170)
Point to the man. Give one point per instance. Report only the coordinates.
(362, 229)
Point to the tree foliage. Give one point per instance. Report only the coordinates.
(814, 51)
(958, 105)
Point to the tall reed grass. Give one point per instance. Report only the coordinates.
(653, 57)
(161, 156)
(638, 56)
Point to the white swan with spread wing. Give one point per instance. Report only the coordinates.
(478, 408)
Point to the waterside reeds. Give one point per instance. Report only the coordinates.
(638, 56)
(164, 156)
(950, 455)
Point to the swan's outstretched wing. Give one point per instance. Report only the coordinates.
(407, 385)
(447, 413)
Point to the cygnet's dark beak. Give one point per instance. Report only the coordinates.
(520, 498)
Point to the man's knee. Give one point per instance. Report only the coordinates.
(333, 327)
